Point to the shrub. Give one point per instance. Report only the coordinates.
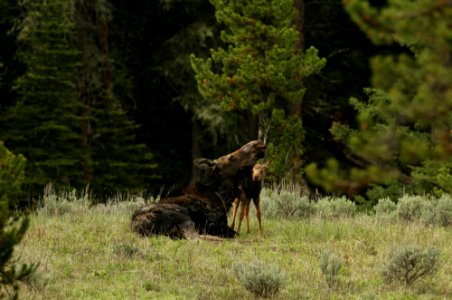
(302, 208)
(330, 265)
(52, 206)
(438, 212)
(408, 264)
(444, 210)
(286, 204)
(63, 202)
(335, 208)
(385, 206)
(261, 279)
(429, 213)
(410, 208)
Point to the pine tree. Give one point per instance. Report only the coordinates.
(261, 71)
(115, 161)
(404, 135)
(44, 124)
(12, 228)
(68, 121)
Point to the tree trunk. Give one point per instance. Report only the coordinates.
(299, 23)
(103, 44)
(295, 107)
(195, 146)
(86, 134)
(84, 98)
(261, 132)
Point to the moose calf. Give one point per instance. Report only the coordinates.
(250, 190)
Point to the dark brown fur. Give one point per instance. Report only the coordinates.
(202, 207)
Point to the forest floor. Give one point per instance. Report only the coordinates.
(89, 252)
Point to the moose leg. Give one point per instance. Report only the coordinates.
(247, 217)
(242, 214)
(258, 213)
(244, 202)
(234, 212)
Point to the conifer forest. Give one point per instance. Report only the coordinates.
(352, 97)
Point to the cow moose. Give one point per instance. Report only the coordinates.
(250, 189)
(201, 207)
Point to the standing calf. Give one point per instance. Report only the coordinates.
(250, 190)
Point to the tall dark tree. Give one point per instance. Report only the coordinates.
(404, 132)
(330, 29)
(67, 120)
(115, 161)
(152, 76)
(44, 122)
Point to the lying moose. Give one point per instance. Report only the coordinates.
(202, 207)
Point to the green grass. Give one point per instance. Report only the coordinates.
(90, 253)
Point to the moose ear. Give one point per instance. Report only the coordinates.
(204, 163)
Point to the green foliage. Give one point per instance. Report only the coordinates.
(410, 208)
(409, 264)
(12, 173)
(436, 173)
(44, 125)
(12, 228)
(330, 265)
(335, 207)
(443, 214)
(437, 211)
(385, 206)
(64, 202)
(404, 126)
(284, 150)
(424, 209)
(336, 177)
(67, 120)
(128, 165)
(286, 204)
(261, 279)
(289, 204)
(393, 191)
(261, 72)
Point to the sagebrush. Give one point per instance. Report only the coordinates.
(261, 279)
(409, 264)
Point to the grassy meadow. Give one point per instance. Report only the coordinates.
(89, 252)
